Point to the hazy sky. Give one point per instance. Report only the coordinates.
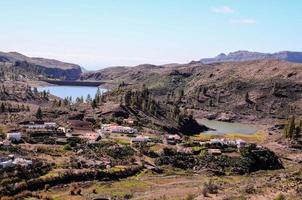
(100, 33)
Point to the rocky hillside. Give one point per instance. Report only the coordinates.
(240, 56)
(257, 89)
(41, 66)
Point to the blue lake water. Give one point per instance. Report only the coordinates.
(71, 91)
(227, 127)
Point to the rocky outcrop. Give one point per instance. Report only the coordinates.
(189, 126)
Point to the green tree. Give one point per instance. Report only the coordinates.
(291, 127)
(127, 98)
(88, 99)
(94, 104)
(2, 108)
(39, 114)
(291, 130)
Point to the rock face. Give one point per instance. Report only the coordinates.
(189, 126)
(46, 67)
(240, 56)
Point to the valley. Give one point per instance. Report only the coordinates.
(217, 130)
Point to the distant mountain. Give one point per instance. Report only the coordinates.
(48, 67)
(240, 56)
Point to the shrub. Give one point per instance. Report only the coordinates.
(72, 192)
(169, 151)
(210, 187)
(128, 196)
(280, 197)
(46, 187)
(249, 189)
(67, 147)
(189, 197)
(299, 190)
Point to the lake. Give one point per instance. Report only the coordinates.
(71, 91)
(227, 127)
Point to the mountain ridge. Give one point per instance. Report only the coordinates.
(243, 55)
(49, 67)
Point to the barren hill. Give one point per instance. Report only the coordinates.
(261, 88)
(47, 67)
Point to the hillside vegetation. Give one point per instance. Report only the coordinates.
(262, 88)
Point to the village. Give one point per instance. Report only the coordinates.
(31, 132)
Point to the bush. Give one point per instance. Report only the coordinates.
(280, 197)
(128, 196)
(204, 191)
(67, 147)
(249, 189)
(189, 197)
(46, 187)
(169, 151)
(209, 187)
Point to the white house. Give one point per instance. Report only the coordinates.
(50, 125)
(240, 143)
(22, 162)
(5, 164)
(139, 139)
(64, 129)
(38, 125)
(173, 139)
(14, 136)
(118, 129)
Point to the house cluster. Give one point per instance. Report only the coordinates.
(113, 128)
(172, 139)
(238, 143)
(38, 125)
(11, 161)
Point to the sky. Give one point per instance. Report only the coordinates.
(102, 33)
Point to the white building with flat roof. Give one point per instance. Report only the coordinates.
(6, 163)
(14, 136)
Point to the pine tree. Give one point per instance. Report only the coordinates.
(285, 131)
(93, 104)
(247, 97)
(55, 103)
(127, 98)
(66, 101)
(2, 108)
(39, 114)
(291, 127)
(88, 99)
(204, 91)
(98, 96)
(218, 98)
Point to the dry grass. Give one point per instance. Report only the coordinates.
(258, 137)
